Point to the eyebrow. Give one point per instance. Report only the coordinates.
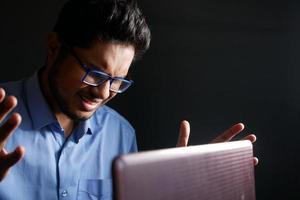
(100, 68)
(92, 66)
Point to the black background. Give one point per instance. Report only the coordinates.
(214, 63)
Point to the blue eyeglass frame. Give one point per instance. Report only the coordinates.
(104, 75)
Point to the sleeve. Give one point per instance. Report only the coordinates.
(133, 147)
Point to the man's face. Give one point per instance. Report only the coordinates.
(76, 99)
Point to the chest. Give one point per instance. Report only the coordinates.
(56, 169)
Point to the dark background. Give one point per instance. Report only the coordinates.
(214, 63)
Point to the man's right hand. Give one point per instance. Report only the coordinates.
(7, 160)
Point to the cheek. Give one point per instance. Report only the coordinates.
(68, 85)
(68, 81)
(112, 95)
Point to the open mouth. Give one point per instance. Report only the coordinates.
(87, 104)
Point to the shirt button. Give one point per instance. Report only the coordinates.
(64, 193)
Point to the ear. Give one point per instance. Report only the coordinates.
(53, 45)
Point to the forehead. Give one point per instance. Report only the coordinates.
(111, 57)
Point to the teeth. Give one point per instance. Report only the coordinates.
(90, 101)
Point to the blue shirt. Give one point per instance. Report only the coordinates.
(77, 168)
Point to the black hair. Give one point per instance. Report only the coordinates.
(81, 22)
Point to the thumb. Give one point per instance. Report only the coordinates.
(184, 134)
(10, 159)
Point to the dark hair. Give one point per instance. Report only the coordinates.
(81, 22)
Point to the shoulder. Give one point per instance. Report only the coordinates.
(107, 115)
(115, 130)
(16, 88)
(13, 87)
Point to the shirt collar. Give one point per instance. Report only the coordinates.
(89, 126)
(82, 128)
(38, 107)
(40, 110)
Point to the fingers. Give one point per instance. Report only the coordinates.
(3, 152)
(8, 127)
(2, 94)
(229, 134)
(12, 158)
(184, 134)
(255, 161)
(8, 160)
(250, 137)
(6, 104)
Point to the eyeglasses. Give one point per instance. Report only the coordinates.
(96, 77)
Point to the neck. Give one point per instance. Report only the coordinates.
(66, 123)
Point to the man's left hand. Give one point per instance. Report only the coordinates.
(184, 134)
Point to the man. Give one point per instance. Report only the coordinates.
(70, 136)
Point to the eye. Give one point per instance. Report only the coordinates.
(95, 77)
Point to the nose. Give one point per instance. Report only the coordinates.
(102, 91)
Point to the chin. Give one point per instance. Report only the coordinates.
(79, 115)
(85, 115)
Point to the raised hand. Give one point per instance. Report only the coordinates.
(228, 135)
(7, 160)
